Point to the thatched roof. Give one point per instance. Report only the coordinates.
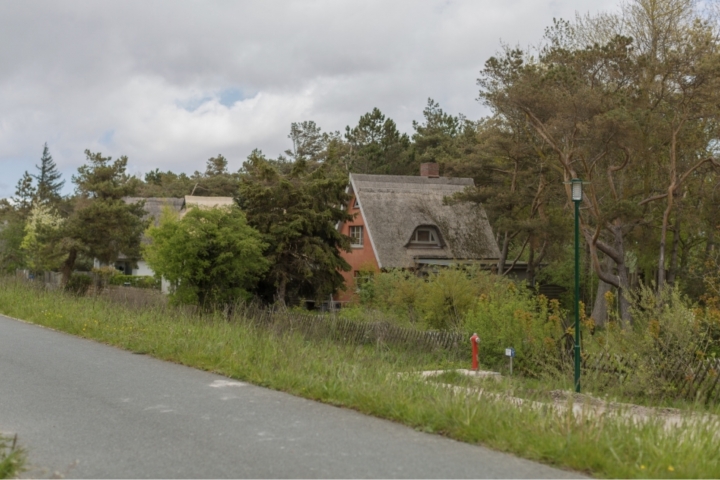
(207, 202)
(154, 205)
(394, 206)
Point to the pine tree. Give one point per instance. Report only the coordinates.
(48, 178)
(25, 192)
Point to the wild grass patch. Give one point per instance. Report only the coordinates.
(12, 457)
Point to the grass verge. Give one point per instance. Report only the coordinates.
(365, 379)
(12, 458)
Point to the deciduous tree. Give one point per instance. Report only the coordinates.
(212, 257)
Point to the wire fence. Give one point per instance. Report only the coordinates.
(685, 374)
(329, 326)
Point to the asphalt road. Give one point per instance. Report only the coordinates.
(83, 409)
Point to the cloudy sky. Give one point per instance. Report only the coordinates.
(172, 83)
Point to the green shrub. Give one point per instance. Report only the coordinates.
(473, 301)
(135, 281)
(667, 339)
(509, 316)
(79, 284)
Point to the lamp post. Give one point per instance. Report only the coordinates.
(576, 184)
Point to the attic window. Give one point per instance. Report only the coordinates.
(355, 203)
(425, 237)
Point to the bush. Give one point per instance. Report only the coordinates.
(135, 281)
(656, 354)
(508, 316)
(474, 301)
(211, 257)
(78, 284)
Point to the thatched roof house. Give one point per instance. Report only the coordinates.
(395, 207)
(405, 222)
(154, 206)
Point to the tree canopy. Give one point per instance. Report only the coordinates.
(211, 257)
(297, 213)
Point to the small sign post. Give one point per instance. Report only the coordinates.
(510, 352)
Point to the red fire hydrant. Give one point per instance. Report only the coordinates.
(475, 342)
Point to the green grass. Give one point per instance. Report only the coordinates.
(12, 458)
(365, 379)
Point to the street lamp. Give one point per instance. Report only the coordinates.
(576, 185)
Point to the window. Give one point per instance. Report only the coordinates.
(356, 236)
(425, 237)
(355, 203)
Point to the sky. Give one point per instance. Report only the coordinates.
(173, 83)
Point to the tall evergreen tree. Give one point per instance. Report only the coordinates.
(102, 225)
(377, 147)
(48, 178)
(297, 214)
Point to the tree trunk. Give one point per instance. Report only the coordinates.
(503, 254)
(68, 266)
(600, 310)
(710, 242)
(281, 290)
(531, 266)
(620, 279)
(674, 255)
(624, 281)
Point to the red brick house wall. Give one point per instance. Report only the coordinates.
(359, 258)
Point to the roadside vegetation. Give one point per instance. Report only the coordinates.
(366, 378)
(668, 356)
(12, 457)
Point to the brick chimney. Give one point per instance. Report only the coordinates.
(430, 170)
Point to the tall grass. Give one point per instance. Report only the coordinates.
(12, 457)
(365, 378)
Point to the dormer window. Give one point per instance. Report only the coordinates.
(425, 237)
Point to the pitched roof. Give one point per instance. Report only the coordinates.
(155, 205)
(393, 206)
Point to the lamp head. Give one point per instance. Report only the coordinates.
(576, 189)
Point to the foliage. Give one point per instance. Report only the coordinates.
(668, 336)
(377, 147)
(44, 222)
(297, 213)
(628, 103)
(48, 179)
(79, 284)
(101, 225)
(506, 316)
(212, 257)
(12, 232)
(12, 458)
(473, 301)
(25, 193)
(135, 281)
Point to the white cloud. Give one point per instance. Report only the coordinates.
(171, 83)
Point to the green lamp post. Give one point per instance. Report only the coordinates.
(576, 184)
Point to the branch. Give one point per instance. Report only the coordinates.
(518, 256)
(614, 168)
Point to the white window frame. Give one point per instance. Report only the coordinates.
(354, 237)
(433, 235)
